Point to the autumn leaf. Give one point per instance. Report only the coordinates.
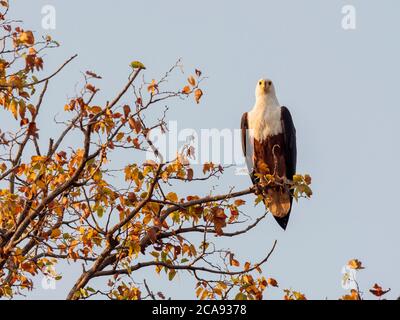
(192, 81)
(189, 174)
(172, 196)
(232, 261)
(120, 136)
(153, 87)
(152, 234)
(378, 291)
(33, 130)
(293, 295)
(90, 73)
(197, 95)
(27, 38)
(171, 274)
(14, 108)
(352, 296)
(55, 233)
(22, 109)
(239, 202)
(355, 264)
(219, 219)
(137, 65)
(208, 166)
(186, 90)
(135, 125)
(91, 88)
(272, 282)
(127, 110)
(198, 72)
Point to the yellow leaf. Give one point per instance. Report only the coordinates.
(96, 109)
(198, 291)
(55, 233)
(172, 196)
(120, 135)
(137, 65)
(218, 291)
(152, 87)
(27, 38)
(14, 108)
(38, 158)
(355, 264)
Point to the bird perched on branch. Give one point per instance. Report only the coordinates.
(269, 147)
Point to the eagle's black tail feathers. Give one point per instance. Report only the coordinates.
(283, 222)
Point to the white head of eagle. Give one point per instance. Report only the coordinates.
(269, 146)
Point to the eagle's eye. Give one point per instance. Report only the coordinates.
(269, 83)
(260, 83)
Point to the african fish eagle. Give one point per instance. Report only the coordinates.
(269, 147)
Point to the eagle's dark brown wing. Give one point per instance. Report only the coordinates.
(247, 145)
(290, 154)
(289, 132)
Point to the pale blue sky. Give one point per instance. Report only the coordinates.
(341, 87)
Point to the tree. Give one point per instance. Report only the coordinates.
(61, 203)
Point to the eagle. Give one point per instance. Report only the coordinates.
(269, 147)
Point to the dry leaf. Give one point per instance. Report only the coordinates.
(186, 90)
(378, 291)
(197, 95)
(192, 81)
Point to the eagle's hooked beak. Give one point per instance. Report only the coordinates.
(265, 85)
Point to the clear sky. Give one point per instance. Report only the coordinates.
(340, 85)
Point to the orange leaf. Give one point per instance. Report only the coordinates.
(355, 264)
(192, 81)
(189, 174)
(186, 90)
(239, 202)
(55, 233)
(90, 87)
(197, 95)
(27, 38)
(135, 125)
(378, 291)
(127, 110)
(352, 296)
(272, 282)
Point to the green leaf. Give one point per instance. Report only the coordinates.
(137, 65)
(100, 212)
(241, 296)
(171, 274)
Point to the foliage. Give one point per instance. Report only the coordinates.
(70, 203)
